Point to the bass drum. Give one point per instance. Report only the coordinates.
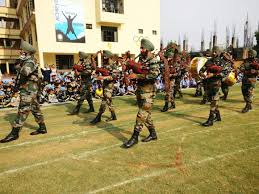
(195, 66)
(230, 79)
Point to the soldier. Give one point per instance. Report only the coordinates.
(250, 70)
(214, 75)
(228, 67)
(28, 84)
(169, 95)
(85, 70)
(145, 93)
(109, 75)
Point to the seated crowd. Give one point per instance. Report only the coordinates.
(65, 86)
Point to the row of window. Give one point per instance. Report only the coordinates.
(110, 34)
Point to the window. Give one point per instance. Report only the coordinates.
(114, 6)
(89, 26)
(109, 34)
(2, 3)
(154, 32)
(140, 31)
(64, 61)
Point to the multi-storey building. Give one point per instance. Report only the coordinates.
(60, 28)
(9, 35)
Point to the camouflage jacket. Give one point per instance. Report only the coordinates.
(250, 70)
(86, 74)
(30, 76)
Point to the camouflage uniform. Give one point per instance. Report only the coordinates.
(108, 86)
(86, 84)
(30, 75)
(213, 86)
(250, 70)
(181, 70)
(145, 94)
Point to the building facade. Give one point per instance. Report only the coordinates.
(9, 35)
(60, 28)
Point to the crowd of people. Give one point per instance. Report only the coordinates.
(65, 86)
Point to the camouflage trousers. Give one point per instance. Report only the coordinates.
(248, 92)
(145, 98)
(213, 88)
(86, 93)
(169, 95)
(199, 86)
(28, 103)
(205, 88)
(107, 98)
(177, 87)
(224, 88)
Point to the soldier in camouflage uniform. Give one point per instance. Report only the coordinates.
(214, 75)
(87, 67)
(227, 68)
(250, 70)
(28, 84)
(145, 95)
(109, 73)
(169, 95)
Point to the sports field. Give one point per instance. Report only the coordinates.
(76, 157)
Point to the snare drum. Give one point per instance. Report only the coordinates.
(230, 79)
(195, 66)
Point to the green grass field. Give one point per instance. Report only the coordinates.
(75, 157)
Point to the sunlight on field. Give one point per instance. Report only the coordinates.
(76, 157)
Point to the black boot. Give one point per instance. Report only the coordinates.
(247, 108)
(91, 108)
(113, 117)
(133, 140)
(210, 120)
(97, 119)
(217, 117)
(223, 97)
(152, 136)
(41, 130)
(13, 135)
(76, 110)
(172, 105)
(165, 108)
(204, 101)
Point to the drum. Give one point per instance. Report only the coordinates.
(230, 79)
(195, 66)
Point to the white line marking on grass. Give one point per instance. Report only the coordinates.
(161, 172)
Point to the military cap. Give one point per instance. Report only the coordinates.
(27, 47)
(145, 43)
(252, 52)
(107, 53)
(82, 55)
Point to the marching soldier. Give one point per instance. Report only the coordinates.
(213, 78)
(145, 94)
(228, 67)
(29, 85)
(109, 73)
(169, 95)
(85, 70)
(250, 70)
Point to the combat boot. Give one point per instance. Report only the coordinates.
(223, 97)
(210, 120)
(217, 116)
(204, 101)
(172, 105)
(132, 141)
(76, 110)
(247, 108)
(113, 117)
(97, 119)
(152, 135)
(41, 130)
(13, 135)
(91, 108)
(165, 108)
